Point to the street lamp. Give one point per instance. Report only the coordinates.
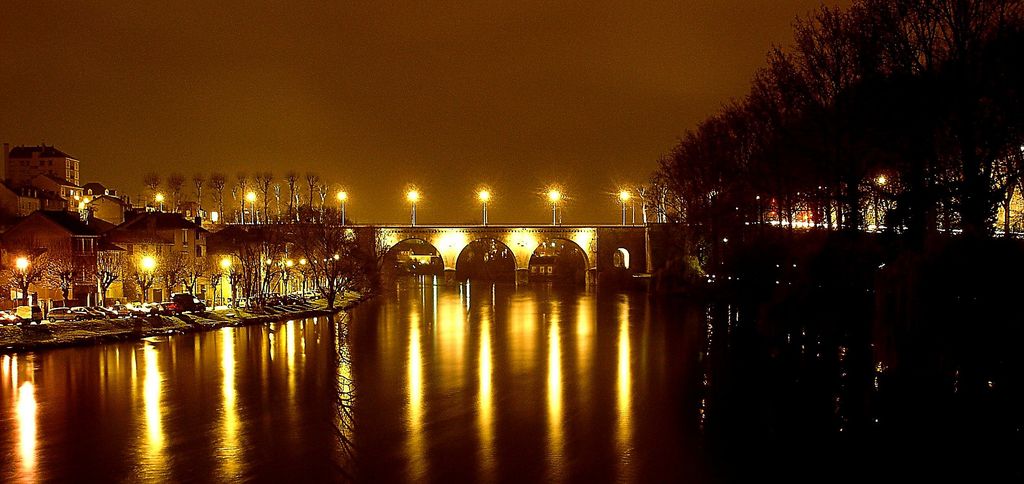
(413, 196)
(554, 196)
(21, 263)
(623, 198)
(225, 265)
(484, 196)
(342, 198)
(881, 181)
(302, 262)
(148, 264)
(251, 197)
(160, 199)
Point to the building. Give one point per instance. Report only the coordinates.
(177, 245)
(60, 188)
(18, 202)
(62, 236)
(24, 163)
(107, 207)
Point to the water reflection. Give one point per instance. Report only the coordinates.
(485, 401)
(555, 438)
(26, 411)
(229, 451)
(415, 443)
(153, 465)
(624, 392)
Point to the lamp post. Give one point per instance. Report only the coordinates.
(302, 263)
(225, 265)
(251, 197)
(881, 181)
(159, 198)
(22, 263)
(148, 265)
(484, 196)
(413, 196)
(623, 198)
(554, 196)
(342, 198)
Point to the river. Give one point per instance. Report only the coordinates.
(476, 382)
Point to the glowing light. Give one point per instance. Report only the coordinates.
(148, 263)
(484, 195)
(26, 412)
(413, 196)
(881, 180)
(415, 441)
(623, 390)
(302, 262)
(251, 197)
(342, 196)
(554, 396)
(159, 198)
(214, 217)
(485, 403)
(624, 196)
(554, 195)
(21, 263)
(289, 263)
(225, 263)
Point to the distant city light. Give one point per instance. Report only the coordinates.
(624, 196)
(148, 263)
(413, 195)
(21, 263)
(159, 198)
(484, 195)
(554, 195)
(343, 196)
(251, 196)
(225, 263)
(881, 180)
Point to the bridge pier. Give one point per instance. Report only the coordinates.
(522, 276)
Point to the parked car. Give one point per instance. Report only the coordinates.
(64, 314)
(187, 303)
(7, 317)
(90, 312)
(140, 309)
(119, 310)
(167, 308)
(31, 314)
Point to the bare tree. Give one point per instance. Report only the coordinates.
(312, 181)
(262, 181)
(194, 269)
(143, 277)
(175, 183)
(24, 267)
(110, 266)
(277, 198)
(63, 269)
(217, 182)
(239, 191)
(334, 259)
(173, 268)
(152, 182)
(198, 181)
(291, 178)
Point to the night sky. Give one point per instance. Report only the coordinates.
(378, 95)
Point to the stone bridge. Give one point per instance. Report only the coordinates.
(605, 247)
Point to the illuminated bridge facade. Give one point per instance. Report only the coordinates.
(605, 247)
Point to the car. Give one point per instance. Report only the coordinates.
(7, 317)
(119, 310)
(32, 314)
(167, 308)
(64, 314)
(188, 303)
(90, 312)
(140, 309)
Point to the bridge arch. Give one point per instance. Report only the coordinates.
(559, 258)
(421, 256)
(486, 258)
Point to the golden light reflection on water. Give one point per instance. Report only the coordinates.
(153, 462)
(623, 393)
(450, 331)
(555, 438)
(26, 413)
(228, 453)
(584, 342)
(415, 443)
(485, 404)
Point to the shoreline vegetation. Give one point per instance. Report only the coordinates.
(63, 334)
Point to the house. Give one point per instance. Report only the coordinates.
(63, 237)
(176, 244)
(59, 187)
(18, 202)
(107, 207)
(24, 163)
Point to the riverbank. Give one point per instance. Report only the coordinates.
(75, 333)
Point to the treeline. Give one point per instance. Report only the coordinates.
(292, 196)
(905, 114)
